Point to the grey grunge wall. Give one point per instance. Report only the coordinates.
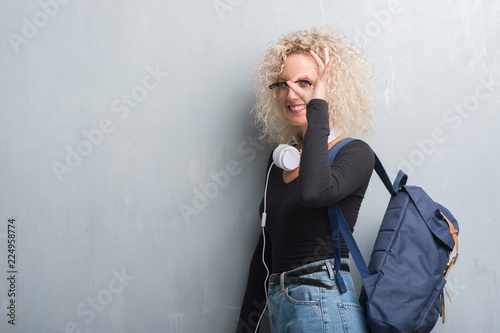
(130, 174)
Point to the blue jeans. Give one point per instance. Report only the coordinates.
(302, 308)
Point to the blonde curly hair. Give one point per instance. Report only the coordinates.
(350, 88)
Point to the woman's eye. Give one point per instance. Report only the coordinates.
(282, 85)
(304, 84)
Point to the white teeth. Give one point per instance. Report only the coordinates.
(297, 108)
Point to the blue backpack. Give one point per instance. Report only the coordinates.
(404, 281)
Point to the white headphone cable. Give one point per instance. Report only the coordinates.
(263, 224)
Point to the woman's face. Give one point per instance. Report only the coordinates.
(291, 103)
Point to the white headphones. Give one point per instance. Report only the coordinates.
(286, 157)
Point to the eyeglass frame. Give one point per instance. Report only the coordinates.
(277, 84)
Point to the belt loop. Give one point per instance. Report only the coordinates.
(330, 270)
(282, 281)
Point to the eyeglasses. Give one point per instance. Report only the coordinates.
(283, 86)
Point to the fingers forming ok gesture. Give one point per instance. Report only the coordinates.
(319, 84)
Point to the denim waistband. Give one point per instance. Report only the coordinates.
(319, 262)
(282, 278)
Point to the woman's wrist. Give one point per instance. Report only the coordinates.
(315, 105)
(318, 116)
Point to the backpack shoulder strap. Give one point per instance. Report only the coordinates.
(400, 180)
(339, 145)
(393, 188)
(339, 225)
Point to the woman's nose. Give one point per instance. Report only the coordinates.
(291, 95)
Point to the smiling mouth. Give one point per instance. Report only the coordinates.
(296, 108)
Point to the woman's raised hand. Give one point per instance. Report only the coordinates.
(319, 84)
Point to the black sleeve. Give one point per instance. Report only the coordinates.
(254, 300)
(319, 183)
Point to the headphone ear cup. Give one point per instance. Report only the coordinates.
(286, 157)
(277, 153)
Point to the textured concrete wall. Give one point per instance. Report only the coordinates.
(131, 169)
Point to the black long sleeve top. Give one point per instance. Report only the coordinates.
(298, 229)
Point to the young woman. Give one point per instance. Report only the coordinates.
(316, 87)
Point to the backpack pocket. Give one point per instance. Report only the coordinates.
(369, 283)
(430, 313)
